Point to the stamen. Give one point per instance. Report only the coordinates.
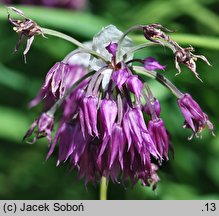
(93, 81)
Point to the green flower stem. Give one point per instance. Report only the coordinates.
(147, 44)
(63, 36)
(93, 81)
(59, 102)
(204, 41)
(136, 48)
(133, 28)
(159, 77)
(103, 188)
(84, 49)
(93, 53)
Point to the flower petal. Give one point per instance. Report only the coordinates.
(151, 64)
(119, 77)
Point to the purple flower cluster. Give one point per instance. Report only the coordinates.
(74, 4)
(102, 130)
(102, 133)
(58, 81)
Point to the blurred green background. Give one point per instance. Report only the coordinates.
(193, 174)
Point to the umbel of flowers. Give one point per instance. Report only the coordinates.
(102, 99)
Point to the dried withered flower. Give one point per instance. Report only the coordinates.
(186, 57)
(157, 34)
(25, 28)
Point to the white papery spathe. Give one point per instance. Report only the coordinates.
(79, 58)
(102, 39)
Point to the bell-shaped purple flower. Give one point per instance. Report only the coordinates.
(120, 76)
(112, 48)
(88, 116)
(137, 133)
(108, 113)
(116, 147)
(72, 102)
(155, 106)
(159, 135)
(44, 125)
(71, 142)
(151, 64)
(115, 141)
(58, 80)
(135, 85)
(195, 118)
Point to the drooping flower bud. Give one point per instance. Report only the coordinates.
(195, 118)
(151, 64)
(88, 115)
(137, 133)
(159, 135)
(155, 106)
(135, 85)
(117, 144)
(119, 77)
(108, 113)
(112, 48)
(58, 80)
